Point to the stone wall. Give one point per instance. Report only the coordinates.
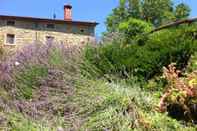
(29, 32)
(1, 34)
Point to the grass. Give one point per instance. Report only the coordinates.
(118, 106)
(18, 122)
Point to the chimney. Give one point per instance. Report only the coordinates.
(68, 12)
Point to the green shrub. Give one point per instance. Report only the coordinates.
(132, 28)
(144, 61)
(192, 63)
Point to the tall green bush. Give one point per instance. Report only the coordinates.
(132, 28)
(144, 61)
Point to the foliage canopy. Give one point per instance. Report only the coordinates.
(156, 12)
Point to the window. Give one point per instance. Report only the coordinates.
(74, 29)
(10, 23)
(36, 25)
(50, 26)
(82, 30)
(10, 39)
(49, 39)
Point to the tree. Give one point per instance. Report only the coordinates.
(135, 9)
(119, 14)
(157, 12)
(182, 11)
(126, 9)
(132, 28)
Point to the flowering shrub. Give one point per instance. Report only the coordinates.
(180, 98)
(36, 81)
(24, 69)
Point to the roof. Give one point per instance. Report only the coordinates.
(68, 6)
(34, 19)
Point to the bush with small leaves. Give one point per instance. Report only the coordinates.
(180, 97)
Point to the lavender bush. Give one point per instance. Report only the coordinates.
(39, 78)
(38, 53)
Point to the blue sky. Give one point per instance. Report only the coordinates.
(85, 10)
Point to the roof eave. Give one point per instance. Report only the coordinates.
(49, 20)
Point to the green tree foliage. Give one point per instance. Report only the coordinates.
(182, 11)
(119, 14)
(157, 12)
(133, 28)
(135, 9)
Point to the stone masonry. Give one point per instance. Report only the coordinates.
(16, 31)
(29, 32)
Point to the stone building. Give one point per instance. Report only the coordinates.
(16, 31)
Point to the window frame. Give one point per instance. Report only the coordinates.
(10, 21)
(50, 24)
(36, 25)
(82, 31)
(6, 39)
